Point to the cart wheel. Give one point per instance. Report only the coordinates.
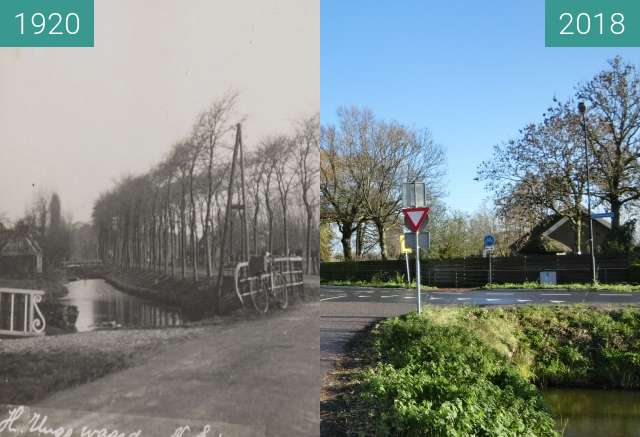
(260, 296)
(299, 278)
(280, 290)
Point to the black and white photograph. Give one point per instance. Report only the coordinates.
(159, 224)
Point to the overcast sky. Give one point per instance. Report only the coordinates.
(74, 120)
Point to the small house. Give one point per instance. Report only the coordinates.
(20, 255)
(557, 235)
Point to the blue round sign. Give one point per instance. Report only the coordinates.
(489, 240)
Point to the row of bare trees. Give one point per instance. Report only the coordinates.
(172, 218)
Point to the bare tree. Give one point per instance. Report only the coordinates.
(209, 131)
(307, 170)
(363, 164)
(339, 201)
(613, 127)
(543, 169)
(284, 178)
(257, 166)
(269, 150)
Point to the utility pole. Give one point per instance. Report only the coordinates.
(230, 207)
(245, 228)
(583, 110)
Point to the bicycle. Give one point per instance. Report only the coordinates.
(262, 283)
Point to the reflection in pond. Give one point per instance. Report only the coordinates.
(103, 306)
(587, 413)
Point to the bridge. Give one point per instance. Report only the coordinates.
(85, 263)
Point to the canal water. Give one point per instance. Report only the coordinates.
(102, 306)
(586, 413)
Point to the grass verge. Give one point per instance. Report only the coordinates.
(474, 371)
(30, 369)
(535, 285)
(376, 284)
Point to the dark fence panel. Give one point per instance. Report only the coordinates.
(362, 270)
(474, 272)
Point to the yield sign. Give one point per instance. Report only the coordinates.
(415, 217)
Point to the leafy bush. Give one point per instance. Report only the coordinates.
(620, 240)
(443, 380)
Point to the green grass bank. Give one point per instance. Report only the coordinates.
(476, 371)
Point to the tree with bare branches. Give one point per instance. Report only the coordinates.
(307, 147)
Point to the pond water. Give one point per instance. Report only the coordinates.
(102, 306)
(586, 413)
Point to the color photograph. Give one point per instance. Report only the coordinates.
(492, 152)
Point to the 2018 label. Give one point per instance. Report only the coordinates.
(582, 23)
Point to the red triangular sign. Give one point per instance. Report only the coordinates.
(415, 217)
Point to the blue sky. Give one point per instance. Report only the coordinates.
(472, 72)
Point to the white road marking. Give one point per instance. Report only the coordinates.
(364, 297)
(557, 301)
(501, 293)
(409, 297)
(491, 300)
(329, 298)
(435, 298)
(393, 295)
(524, 300)
(559, 294)
(464, 298)
(616, 294)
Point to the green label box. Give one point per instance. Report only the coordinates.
(46, 23)
(592, 23)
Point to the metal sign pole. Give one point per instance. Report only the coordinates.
(418, 277)
(490, 251)
(406, 258)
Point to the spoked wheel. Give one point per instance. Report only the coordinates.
(298, 279)
(260, 296)
(243, 290)
(280, 290)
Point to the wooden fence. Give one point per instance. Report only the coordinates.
(474, 272)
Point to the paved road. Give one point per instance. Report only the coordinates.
(260, 372)
(510, 297)
(346, 310)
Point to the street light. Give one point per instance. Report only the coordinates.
(582, 108)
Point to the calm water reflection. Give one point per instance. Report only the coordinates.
(101, 305)
(596, 412)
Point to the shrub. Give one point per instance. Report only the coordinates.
(443, 380)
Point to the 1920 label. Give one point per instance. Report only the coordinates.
(47, 23)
